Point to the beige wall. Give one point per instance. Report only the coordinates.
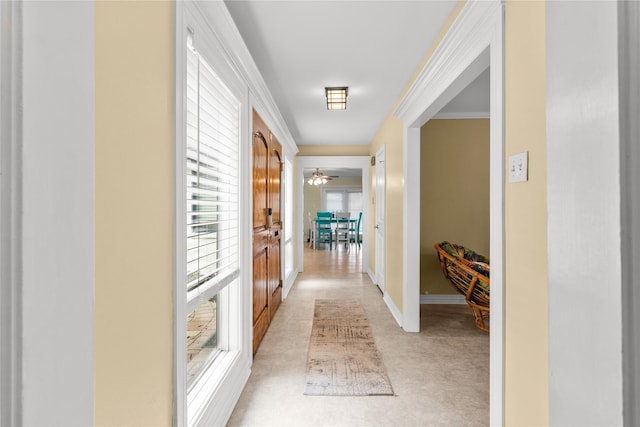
(526, 313)
(454, 193)
(134, 161)
(333, 150)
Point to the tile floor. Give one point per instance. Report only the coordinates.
(440, 376)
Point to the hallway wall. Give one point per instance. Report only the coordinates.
(526, 367)
(134, 213)
(333, 150)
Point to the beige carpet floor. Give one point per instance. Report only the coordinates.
(343, 359)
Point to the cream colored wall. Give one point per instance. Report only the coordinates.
(526, 327)
(454, 199)
(333, 150)
(390, 135)
(134, 161)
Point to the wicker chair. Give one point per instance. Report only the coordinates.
(469, 274)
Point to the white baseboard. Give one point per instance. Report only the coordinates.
(393, 309)
(442, 299)
(372, 276)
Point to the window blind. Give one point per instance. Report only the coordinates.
(342, 199)
(354, 202)
(212, 182)
(334, 200)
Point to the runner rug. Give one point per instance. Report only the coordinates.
(343, 359)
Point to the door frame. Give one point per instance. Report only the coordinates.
(324, 162)
(474, 42)
(10, 213)
(381, 252)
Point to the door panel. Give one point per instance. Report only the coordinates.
(275, 162)
(260, 171)
(275, 284)
(261, 315)
(267, 228)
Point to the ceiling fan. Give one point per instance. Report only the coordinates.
(318, 178)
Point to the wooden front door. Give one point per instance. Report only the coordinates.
(267, 228)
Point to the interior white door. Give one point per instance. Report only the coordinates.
(381, 247)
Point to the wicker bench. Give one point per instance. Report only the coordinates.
(469, 274)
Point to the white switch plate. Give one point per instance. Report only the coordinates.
(519, 167)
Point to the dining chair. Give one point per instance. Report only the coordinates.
(355, 233)
(342, 228)
(324, 231)
(312, 231)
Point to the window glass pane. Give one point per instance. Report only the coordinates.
(202, 338)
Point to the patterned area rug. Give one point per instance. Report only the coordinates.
(343, 359)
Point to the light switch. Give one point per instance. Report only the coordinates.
(519, 167)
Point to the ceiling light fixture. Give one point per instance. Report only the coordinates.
(318, 178)
(336, 97)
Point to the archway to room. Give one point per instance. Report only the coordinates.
(454, 188)
(324, 163)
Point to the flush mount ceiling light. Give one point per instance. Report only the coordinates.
(318, 178)
(336, 97)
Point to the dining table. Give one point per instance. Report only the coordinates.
(334, 222)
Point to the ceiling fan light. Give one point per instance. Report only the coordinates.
(318, 178)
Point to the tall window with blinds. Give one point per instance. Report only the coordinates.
(212, 211)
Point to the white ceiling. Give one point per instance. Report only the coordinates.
(373, 47)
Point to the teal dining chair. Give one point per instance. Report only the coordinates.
(342, 228)
(354, 232)
(324, 233)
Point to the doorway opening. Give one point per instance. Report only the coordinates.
(330, 163)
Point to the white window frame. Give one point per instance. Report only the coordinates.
(211, 400)
(288, 218)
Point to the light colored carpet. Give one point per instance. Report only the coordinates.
(343, 359)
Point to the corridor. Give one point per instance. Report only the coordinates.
(440, 376)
